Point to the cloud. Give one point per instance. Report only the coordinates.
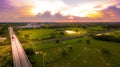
(111, 12)
(48, 17)
(39, 6)
(5, 5)
(58, 17)
(54, 6)
(58, 10)
(7, 9)
(117, 0)
(77, 2)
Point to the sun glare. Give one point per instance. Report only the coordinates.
(42, 6)
(95, 15)
(82, 10)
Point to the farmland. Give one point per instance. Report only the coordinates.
(66, 46)
(54, 51)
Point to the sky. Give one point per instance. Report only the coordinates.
(59, 10)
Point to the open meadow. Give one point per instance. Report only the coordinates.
(70, 47)
(65, 46)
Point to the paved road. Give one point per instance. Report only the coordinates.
(20, 58)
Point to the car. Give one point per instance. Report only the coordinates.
(12, 37)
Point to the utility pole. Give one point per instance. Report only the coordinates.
(44, 54)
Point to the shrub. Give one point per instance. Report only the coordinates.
(105, 51)
(107, 38)
(88, 41)
(57, 41)
(62, 33)
(64, 53)
(29, 51)
(70, 47)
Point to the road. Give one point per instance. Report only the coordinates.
(20, 58)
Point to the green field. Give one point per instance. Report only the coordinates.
(5, 48)
(115, 34)
(75, 52)
(5, 56)
(71, 45)
(47, 33)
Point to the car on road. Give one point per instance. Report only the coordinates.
(12, 37)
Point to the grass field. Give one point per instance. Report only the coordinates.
(47, 33)
(5, 56)
(115, 34)
(70, 53)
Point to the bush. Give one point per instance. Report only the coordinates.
(76, 30)
(88, 41)
(57, 41)
(4, 31)
(62, 33)
(70, 47)
(7, 61)
(52, 35)
(64, 53)
(79, 40)
(105, 51)
(29, 51)
(107, 38)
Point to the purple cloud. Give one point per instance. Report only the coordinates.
(117, 0)
(111, 11)
(5, 4)
(47, 16)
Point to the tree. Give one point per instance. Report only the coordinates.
(62, 33)
(52, 35)
(84, 27)
(70, 47)
(57, 41)
(88, 41)
(63, 52)
(29, 51)
(79, 40)
(76, 30)
(105, 51)
(4, 31)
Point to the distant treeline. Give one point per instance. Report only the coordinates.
(107, 38)
(65, 24)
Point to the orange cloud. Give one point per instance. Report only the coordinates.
(95, 15)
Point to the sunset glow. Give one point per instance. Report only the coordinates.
(88, 10)
(59, 10)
